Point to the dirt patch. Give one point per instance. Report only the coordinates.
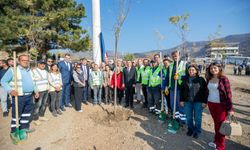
(110, 118)
(244, 90)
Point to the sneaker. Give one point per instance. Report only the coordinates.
(59, 112)
(85, 102)
(196, 135)
(63, 109)
(43, 119)
(54, 114)
(79, 111)
(69, 105)
(5, 114)
(37, 122)
(212, 144)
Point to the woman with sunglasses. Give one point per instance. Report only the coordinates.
(219, 101)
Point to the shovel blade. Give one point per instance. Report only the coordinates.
(15, 136)
(173, 126)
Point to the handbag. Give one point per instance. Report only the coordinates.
(231, 127)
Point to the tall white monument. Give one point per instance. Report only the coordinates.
(96, 28)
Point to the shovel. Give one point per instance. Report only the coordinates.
(162, 116)
(173, 124)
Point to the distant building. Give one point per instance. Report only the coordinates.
(237, 60)
(223, 50)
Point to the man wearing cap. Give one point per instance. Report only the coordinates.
(26, 88)
(154, 87)
(41, 80)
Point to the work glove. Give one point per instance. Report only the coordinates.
(166, 91)
(176, 76)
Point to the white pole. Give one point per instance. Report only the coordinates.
(96, 28)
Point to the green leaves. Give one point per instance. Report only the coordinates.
(41, 25)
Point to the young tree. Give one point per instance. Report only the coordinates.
(159, 38)
(128, 57)
(122, 13)
(180, 22)
(214, 39)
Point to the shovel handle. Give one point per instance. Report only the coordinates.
(15, 83)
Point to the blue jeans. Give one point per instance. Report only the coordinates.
(65, 99)
(194, 116)
(97, 94)
(40, 105)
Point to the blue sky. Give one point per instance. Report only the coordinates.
(147, 16)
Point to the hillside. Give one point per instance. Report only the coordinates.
(197, 48)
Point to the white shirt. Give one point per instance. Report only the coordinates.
(214, 95)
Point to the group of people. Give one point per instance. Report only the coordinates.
(239, 68)
(150, 82)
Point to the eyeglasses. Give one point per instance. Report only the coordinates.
(49, 61)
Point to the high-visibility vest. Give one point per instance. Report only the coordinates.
(41, 81)
(19, 81)
(96, 77)
(154, 78)
(138, 73)
(145, 75)
(56, 79)
(181, 71)
(164, 71)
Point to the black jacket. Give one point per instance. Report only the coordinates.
(200, 90)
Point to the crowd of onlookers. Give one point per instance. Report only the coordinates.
(154, 83)
(238, 69)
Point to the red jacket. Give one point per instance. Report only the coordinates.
(118, 79)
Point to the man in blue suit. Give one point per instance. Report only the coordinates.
(66, 70)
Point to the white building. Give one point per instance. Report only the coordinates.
(227, 50)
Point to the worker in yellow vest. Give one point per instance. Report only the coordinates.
(138, 87)
(170, 82)
(166, 63)
(154, 87)
(95, 82)
(41, 80)
(144, 81)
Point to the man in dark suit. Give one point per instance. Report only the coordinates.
(66, 70)
(129, 79)
(85, 69)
